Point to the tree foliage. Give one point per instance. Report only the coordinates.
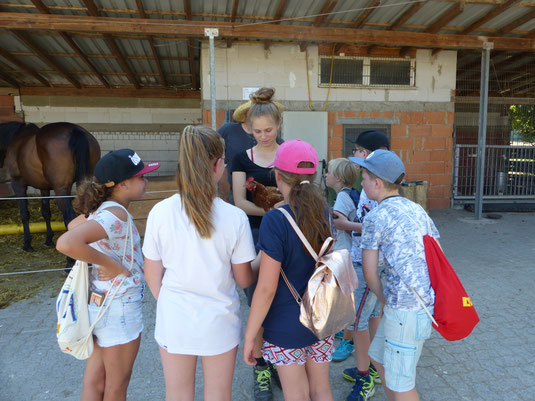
(523, 121)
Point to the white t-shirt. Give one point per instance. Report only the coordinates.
(198, 311)
(345, 205)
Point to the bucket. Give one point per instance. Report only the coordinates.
(501, 182)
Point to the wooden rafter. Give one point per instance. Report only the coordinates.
(233, 19)
(361, 19)
(402, 19)
(191, 48)
(445, 18)
(141, 12)
(183, 28)
(278, 15)
(328, 6)
(23, 37)
(13, 60)
(93, 10)
(6, 78)
(516, 23)
(489, 16)
(66, 37)
(114, 92)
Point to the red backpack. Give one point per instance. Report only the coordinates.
(454, 315)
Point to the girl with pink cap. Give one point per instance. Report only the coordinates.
(301, 358)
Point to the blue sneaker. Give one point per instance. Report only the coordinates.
(342, 352)
(363, 389)
(339, 335)
(351, 373)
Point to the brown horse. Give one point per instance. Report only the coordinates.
(49, 158)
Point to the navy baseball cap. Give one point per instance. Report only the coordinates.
(121, 165)
(384, 164)
(371, 140)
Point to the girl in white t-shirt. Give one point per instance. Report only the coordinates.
(99, 236)
(197, 248)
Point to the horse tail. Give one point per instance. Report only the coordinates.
(79, 146)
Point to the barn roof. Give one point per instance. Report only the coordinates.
(152, 47)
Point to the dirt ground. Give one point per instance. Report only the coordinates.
(14, 259)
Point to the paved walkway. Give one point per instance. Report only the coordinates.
(494, 258)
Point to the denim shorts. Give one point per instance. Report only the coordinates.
(122, 322)
(318, 352)
(398, 345)
(366, 303)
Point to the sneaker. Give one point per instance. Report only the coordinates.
(275, 375)
(351, 373)
(374, 374)
(262, 383)
(342, 352)
(339, 335)
(362, 390)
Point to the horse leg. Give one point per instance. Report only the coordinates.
(65, 206)
(45, 212)
(20, 190)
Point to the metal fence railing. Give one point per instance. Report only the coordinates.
(509, 172)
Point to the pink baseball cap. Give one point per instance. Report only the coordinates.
(293, 152)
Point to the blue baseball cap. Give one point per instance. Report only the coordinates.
(384, 164)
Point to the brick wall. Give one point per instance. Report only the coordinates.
(7, 109)
(422, 139)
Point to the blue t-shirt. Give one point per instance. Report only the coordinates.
(279, 240)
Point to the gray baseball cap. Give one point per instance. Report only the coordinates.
(384, 164)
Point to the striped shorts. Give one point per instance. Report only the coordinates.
(319, 352)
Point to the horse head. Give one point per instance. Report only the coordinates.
(7, 133)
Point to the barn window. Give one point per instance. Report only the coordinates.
(366, 72)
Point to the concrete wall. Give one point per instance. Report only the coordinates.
(420, 118)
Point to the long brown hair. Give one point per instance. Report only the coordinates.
(198, 148)
(309, 206)
(89, 196)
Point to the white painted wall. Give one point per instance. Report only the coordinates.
(283, 67)
(110, 115)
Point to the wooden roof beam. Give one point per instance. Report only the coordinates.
(5, 54)
(65, 36)
(114, 92)
(93, 10)
(515, 24)
(141, 12)
(401, 20)
(361, 19)
(6, 78)
(183, 28)
(445, 18)
(23, 37)
(191, 47)
(233, 19)
(278, 15)
(328, 6)
(489, 16)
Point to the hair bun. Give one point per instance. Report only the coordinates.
(262, 95)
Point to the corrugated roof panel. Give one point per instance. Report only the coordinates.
(507, 17)
(389, 11)
(95, 46)
(67, 7)
(296, 8)
(121, 5)
(471, 14)
(55, 79)
(429, 13)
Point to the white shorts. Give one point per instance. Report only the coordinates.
(122, 322)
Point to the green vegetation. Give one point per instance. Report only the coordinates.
(523, 121)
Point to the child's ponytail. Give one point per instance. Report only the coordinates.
(90, 195)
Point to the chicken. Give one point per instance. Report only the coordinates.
(264, 197)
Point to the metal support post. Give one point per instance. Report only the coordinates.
(212, 33)
(482, 131)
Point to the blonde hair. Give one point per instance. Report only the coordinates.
(345, 170)
(262, 105)
(309, 206)
(199, 147)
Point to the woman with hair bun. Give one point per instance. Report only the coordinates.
(197, 248)
(264, 121)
